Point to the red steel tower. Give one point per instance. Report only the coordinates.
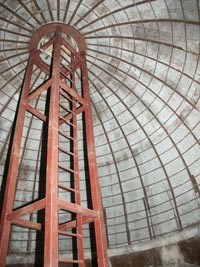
(59, 52)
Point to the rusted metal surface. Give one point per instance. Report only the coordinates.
(51, 207)
(95, 188)
(60, 85)
(9, 196)
(134, 60)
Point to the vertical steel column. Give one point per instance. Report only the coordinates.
(77, 177)
(101, 242)
(51, 210)
(58, 85)
(11, 182)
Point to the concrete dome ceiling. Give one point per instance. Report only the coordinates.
(144, 70)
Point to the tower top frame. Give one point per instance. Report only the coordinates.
(53, 27)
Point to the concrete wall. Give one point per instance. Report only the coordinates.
(179, 250)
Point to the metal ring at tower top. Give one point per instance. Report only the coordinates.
(51, 27)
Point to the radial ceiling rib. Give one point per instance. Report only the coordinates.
(28, 11)
(162, 165)
(40, 11)
(13, 66)
(74, 12)
(113, 12)
(118, 176)
(15, 24)
(139, 22)
(66, 10)
(16, 15)
(14, 41)
(153, 76)
(140, 39)
(88, 12)
(155, 115)
(58, 10)
(50, 10)
(148, 57)
(125, 138)
(161, 125)
(14, 49)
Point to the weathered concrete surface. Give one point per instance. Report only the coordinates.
(179, 250)
(144, 71)
(183, 254)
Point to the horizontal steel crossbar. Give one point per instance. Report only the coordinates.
(69, 206)
(38, 205)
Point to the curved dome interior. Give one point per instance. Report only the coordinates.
(143, 61)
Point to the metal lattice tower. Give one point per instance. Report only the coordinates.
(63, 104)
